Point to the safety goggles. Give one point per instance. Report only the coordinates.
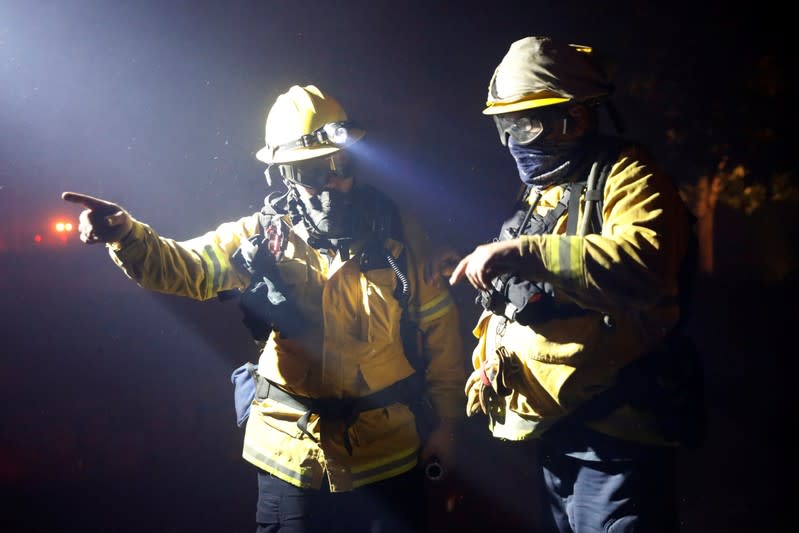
(528, 125)
(523, 128)
(316, 173)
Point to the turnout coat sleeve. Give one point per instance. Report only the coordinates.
(198, 268)
(438, 318)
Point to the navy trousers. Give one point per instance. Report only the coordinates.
(628, 488)
(395, 505)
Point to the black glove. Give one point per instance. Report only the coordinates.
(266, 302)
(266, 308)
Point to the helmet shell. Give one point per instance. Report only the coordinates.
(297, 112)
(539, 71)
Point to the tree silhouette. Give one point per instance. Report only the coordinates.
(729, 184)
(722, 128)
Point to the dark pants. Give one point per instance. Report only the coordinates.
(395, 505)
(631, 492)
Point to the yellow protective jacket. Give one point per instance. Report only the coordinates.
(351, 347)
(626, 278)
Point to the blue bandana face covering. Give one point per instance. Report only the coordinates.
(542, 163)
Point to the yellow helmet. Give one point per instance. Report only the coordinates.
(539, 71)
(304, 123)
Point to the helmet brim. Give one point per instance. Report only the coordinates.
(496, 108)
(292, 156)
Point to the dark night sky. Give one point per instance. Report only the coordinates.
(159, 105)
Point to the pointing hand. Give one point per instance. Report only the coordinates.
(100, 221)
(486, 262)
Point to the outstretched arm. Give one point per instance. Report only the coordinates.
(198, 268)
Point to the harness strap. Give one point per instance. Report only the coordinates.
(574, 207)
(346, 409)
(545, 224)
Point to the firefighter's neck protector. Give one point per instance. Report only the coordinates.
(545, 162)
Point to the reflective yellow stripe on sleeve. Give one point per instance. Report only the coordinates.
(435, 308)
(565, 258)
(213, 268)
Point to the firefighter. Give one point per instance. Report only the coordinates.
(580, 293)
(353, 345)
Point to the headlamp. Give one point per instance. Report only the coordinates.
(338, 134)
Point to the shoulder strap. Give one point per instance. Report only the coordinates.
(574, 206)
(595, 196)
(527, 222)
(606, 153)
(546, 223)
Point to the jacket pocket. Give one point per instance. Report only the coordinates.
(279, 417)
(394, 422)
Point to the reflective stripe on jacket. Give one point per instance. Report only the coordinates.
(351, 347)
(627, 279)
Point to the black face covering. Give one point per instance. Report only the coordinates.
(543, 162)
(329, 214)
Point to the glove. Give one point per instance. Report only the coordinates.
(481, 396)
(266, 307)
(266, 303)
(487, 386)
(474, 392)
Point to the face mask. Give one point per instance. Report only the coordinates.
(328, 214)
(542, 162)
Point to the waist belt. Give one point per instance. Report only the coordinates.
(346, 409)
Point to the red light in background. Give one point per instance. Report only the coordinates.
(56, 231)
